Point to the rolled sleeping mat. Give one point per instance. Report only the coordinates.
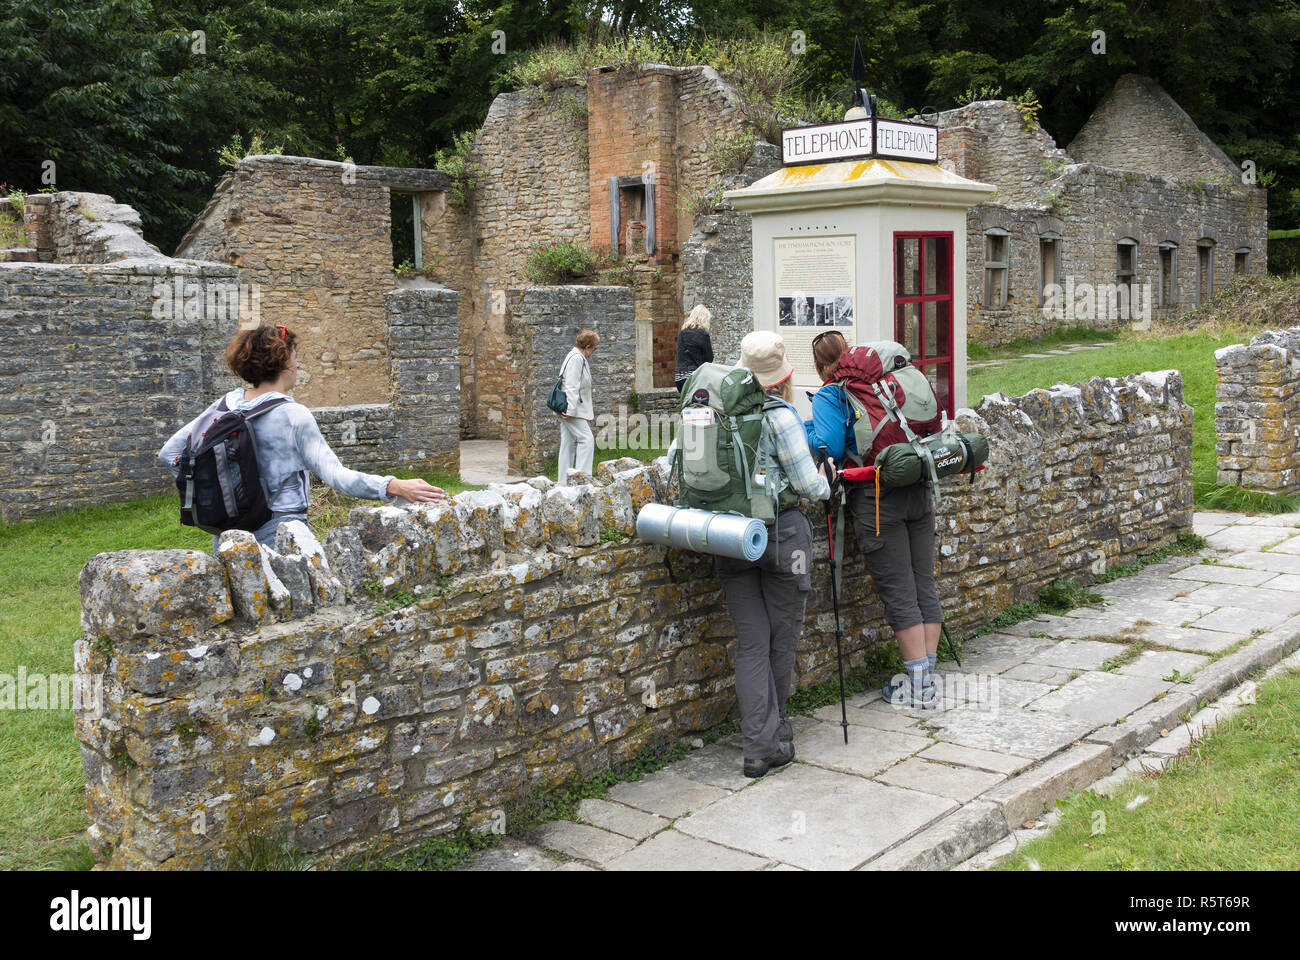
(720, 534)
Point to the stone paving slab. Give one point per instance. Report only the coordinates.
(1026, 628)
(1101, 698)
(1246, 598)
(666, 794)
(816, 819)
(868, 752)
(1140, 587)
(879, 719)
(718, 765)
(620, 818)
(1196, 639)
(672, 850)
(1218, 573)
(1235, 620)
(1158, 664)
(1162, 613)
(955, 783)
(979, 759)
(1018, 693)
(511, 854)
(1027, 733)
(1290, 545)
(1023, 797)
(1078, 654)
(1276, 562)
(582, 841)
(1249, 537)
(1283, 581)
(953, 839)
(1040, 673)
(1089, 623)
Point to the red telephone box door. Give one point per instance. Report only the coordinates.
(923, 306)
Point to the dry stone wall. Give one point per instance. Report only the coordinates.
(1257, 416)
(431, 663)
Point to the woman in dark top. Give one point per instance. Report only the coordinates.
(693, 344)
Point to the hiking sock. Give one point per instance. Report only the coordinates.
(917, 671)
(934, 659)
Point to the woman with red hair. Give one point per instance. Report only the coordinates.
(288, 440)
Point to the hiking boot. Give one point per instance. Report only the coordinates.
(897, 693)
(785, 732)
(756, 768)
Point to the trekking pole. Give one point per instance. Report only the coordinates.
(835, 602)
(951, 649)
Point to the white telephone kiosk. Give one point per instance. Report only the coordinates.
(861, 231)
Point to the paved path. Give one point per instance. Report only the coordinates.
(1046, 706)
(1064, 350)
(484, 461)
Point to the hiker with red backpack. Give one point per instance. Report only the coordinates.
(262, 436)
(853, 421)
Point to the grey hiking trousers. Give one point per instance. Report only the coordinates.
(766, 601)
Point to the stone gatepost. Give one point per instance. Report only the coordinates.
(1257, 416)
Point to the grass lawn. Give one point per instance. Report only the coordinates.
(1190, 353)
(42, 803)
(1229, 803)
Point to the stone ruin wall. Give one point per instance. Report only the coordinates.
(535, 148)
(1257, 416)
(541, 324)
(314, 238)
(517, 649)
(1138, 126)
(93, 383)
(718, 261)
(96, 377)
(1097, 207)
(533, 153)
(1115, 192)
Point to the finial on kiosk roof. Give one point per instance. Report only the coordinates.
(864, 104)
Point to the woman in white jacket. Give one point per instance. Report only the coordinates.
(577, 444)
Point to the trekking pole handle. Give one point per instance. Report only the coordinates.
(828, 465)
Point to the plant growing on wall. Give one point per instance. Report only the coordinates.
(464, 173)
(559, 261)
(1028, 106)
(234, 151)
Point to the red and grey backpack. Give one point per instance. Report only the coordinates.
(220, 483)
(889, 400)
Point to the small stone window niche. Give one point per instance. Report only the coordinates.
(632, 216)
(1049, 264)
(1126, 265)
(996, 243)
(1241, 261)
(1168, 275)
(1204, 269)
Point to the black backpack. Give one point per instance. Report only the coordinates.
(220, 484)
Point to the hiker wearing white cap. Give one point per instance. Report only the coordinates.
(766, 599)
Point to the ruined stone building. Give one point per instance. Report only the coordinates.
(634, 163)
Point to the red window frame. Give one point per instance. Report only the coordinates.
(941, 361)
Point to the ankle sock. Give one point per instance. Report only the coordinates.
(918, 672)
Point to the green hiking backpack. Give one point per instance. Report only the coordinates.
(718, 458)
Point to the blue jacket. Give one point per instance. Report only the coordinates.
(830, 425)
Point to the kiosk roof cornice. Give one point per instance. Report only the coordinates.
(849, 182)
